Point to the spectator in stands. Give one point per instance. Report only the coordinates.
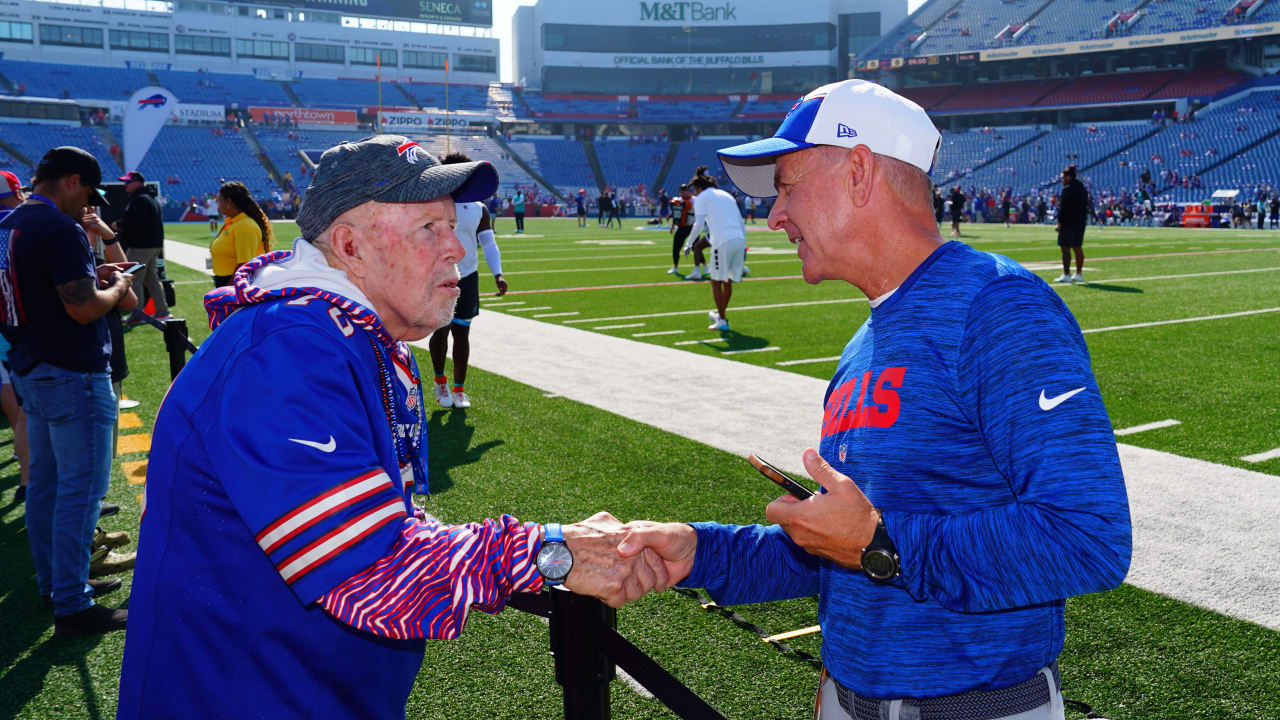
(245, 235)
(141, 231)
(475, 233)
(240, 477)
(1073, 211)
(717, 212)
(60, 360)
(917, 622)
(517, 207)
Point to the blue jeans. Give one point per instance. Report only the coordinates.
(70, 417)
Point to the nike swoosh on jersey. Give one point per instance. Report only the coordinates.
(1048, 404)
(330, 446)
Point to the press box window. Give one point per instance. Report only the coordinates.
(306, 52)
(424, 60)
(369, 56)
(262, 49)
(69, 35)
(15, 32)
(475, 63)
(138, 40)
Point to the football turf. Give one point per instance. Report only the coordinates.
(1129, 653)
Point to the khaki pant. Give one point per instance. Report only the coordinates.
(828, 705)
(146, 284)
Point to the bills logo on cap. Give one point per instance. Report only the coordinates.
(409, 151)
(157, 100)
(843, 131)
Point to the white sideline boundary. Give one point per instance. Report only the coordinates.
(1204, 533)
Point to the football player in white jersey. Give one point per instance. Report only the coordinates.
(475, 231)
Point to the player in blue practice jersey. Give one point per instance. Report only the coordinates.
(970, 475)
(282, 571)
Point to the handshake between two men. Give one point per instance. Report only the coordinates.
(621, 562)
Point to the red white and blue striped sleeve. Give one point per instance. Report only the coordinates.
(436, 573)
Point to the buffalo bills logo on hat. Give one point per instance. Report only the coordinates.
(409, 151)
(843, 131)
(158, 100)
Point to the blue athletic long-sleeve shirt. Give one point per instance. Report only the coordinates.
(965, 408)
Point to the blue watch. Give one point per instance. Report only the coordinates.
(555, 560)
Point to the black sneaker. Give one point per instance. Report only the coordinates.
(100, 588)
(108, 509)
(97, 619)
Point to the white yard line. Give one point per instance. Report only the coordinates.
(1182, 320)
(529, 309)
(704, 312)
(703, 341)
(656, 333)
(503, 304)
(1148, 426)
(557, 314)
(1262, 456)
(630, 268)
(1105, 281)
(810, 361)
(618, 327)
(771, 348)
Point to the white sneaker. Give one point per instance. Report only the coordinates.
(719, 324)
(1077, 278)
(460, 400)
(673, 271)
(443, 396)
(1063, 278)
(713, 316)
(695, 275)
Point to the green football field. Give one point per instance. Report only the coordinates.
(1182, 325)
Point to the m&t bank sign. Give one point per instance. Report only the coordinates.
(687, 11)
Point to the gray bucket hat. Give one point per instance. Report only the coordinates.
(388, 169)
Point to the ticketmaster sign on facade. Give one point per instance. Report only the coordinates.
(687, 12)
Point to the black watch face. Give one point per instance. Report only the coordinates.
(879, 564)
(555, 561)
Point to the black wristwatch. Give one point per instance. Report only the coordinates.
(880, 557)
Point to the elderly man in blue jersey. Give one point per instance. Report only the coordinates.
(970, 475)
(282, 571)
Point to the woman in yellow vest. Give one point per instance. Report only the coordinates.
(246, 234)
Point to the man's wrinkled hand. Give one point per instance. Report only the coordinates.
(836, 524)
(598, 568)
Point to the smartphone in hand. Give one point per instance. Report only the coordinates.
(797, 490)
(135, 269)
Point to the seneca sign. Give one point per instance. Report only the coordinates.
(687, 12)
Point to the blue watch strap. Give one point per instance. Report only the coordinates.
(553, 533)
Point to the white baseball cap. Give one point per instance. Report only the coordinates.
(845, 114)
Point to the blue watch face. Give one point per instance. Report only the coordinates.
(555, 561)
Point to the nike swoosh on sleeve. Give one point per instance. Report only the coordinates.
(332, 445)
(1048, 404)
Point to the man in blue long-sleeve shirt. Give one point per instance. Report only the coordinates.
(970, 471)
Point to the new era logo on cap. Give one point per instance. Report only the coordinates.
(844, 131)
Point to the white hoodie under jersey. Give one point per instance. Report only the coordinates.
(469, 216)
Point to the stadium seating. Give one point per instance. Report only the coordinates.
(627, 163)
(973, 24)
(1069, 21)
(1100, 89)
(929, 97)
(284, 153)
(767, 106)
(223, 89)
(684, 109)
(34, 140)
(74, 81)
(202, 160)
(1039, 164)
(561, 162)
(897, 42)
(693, 153)
(346, 93)
(431, 96)
(1013, 94)
(576, 106)
(961, 153)
(1201, 82)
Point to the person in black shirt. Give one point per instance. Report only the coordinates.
(141, 231)
(603, 205)
(53, 303)
(1073, 212)
(957, 210)
(939, 204)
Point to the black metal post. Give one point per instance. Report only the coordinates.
(176, 342)
(582, 667)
